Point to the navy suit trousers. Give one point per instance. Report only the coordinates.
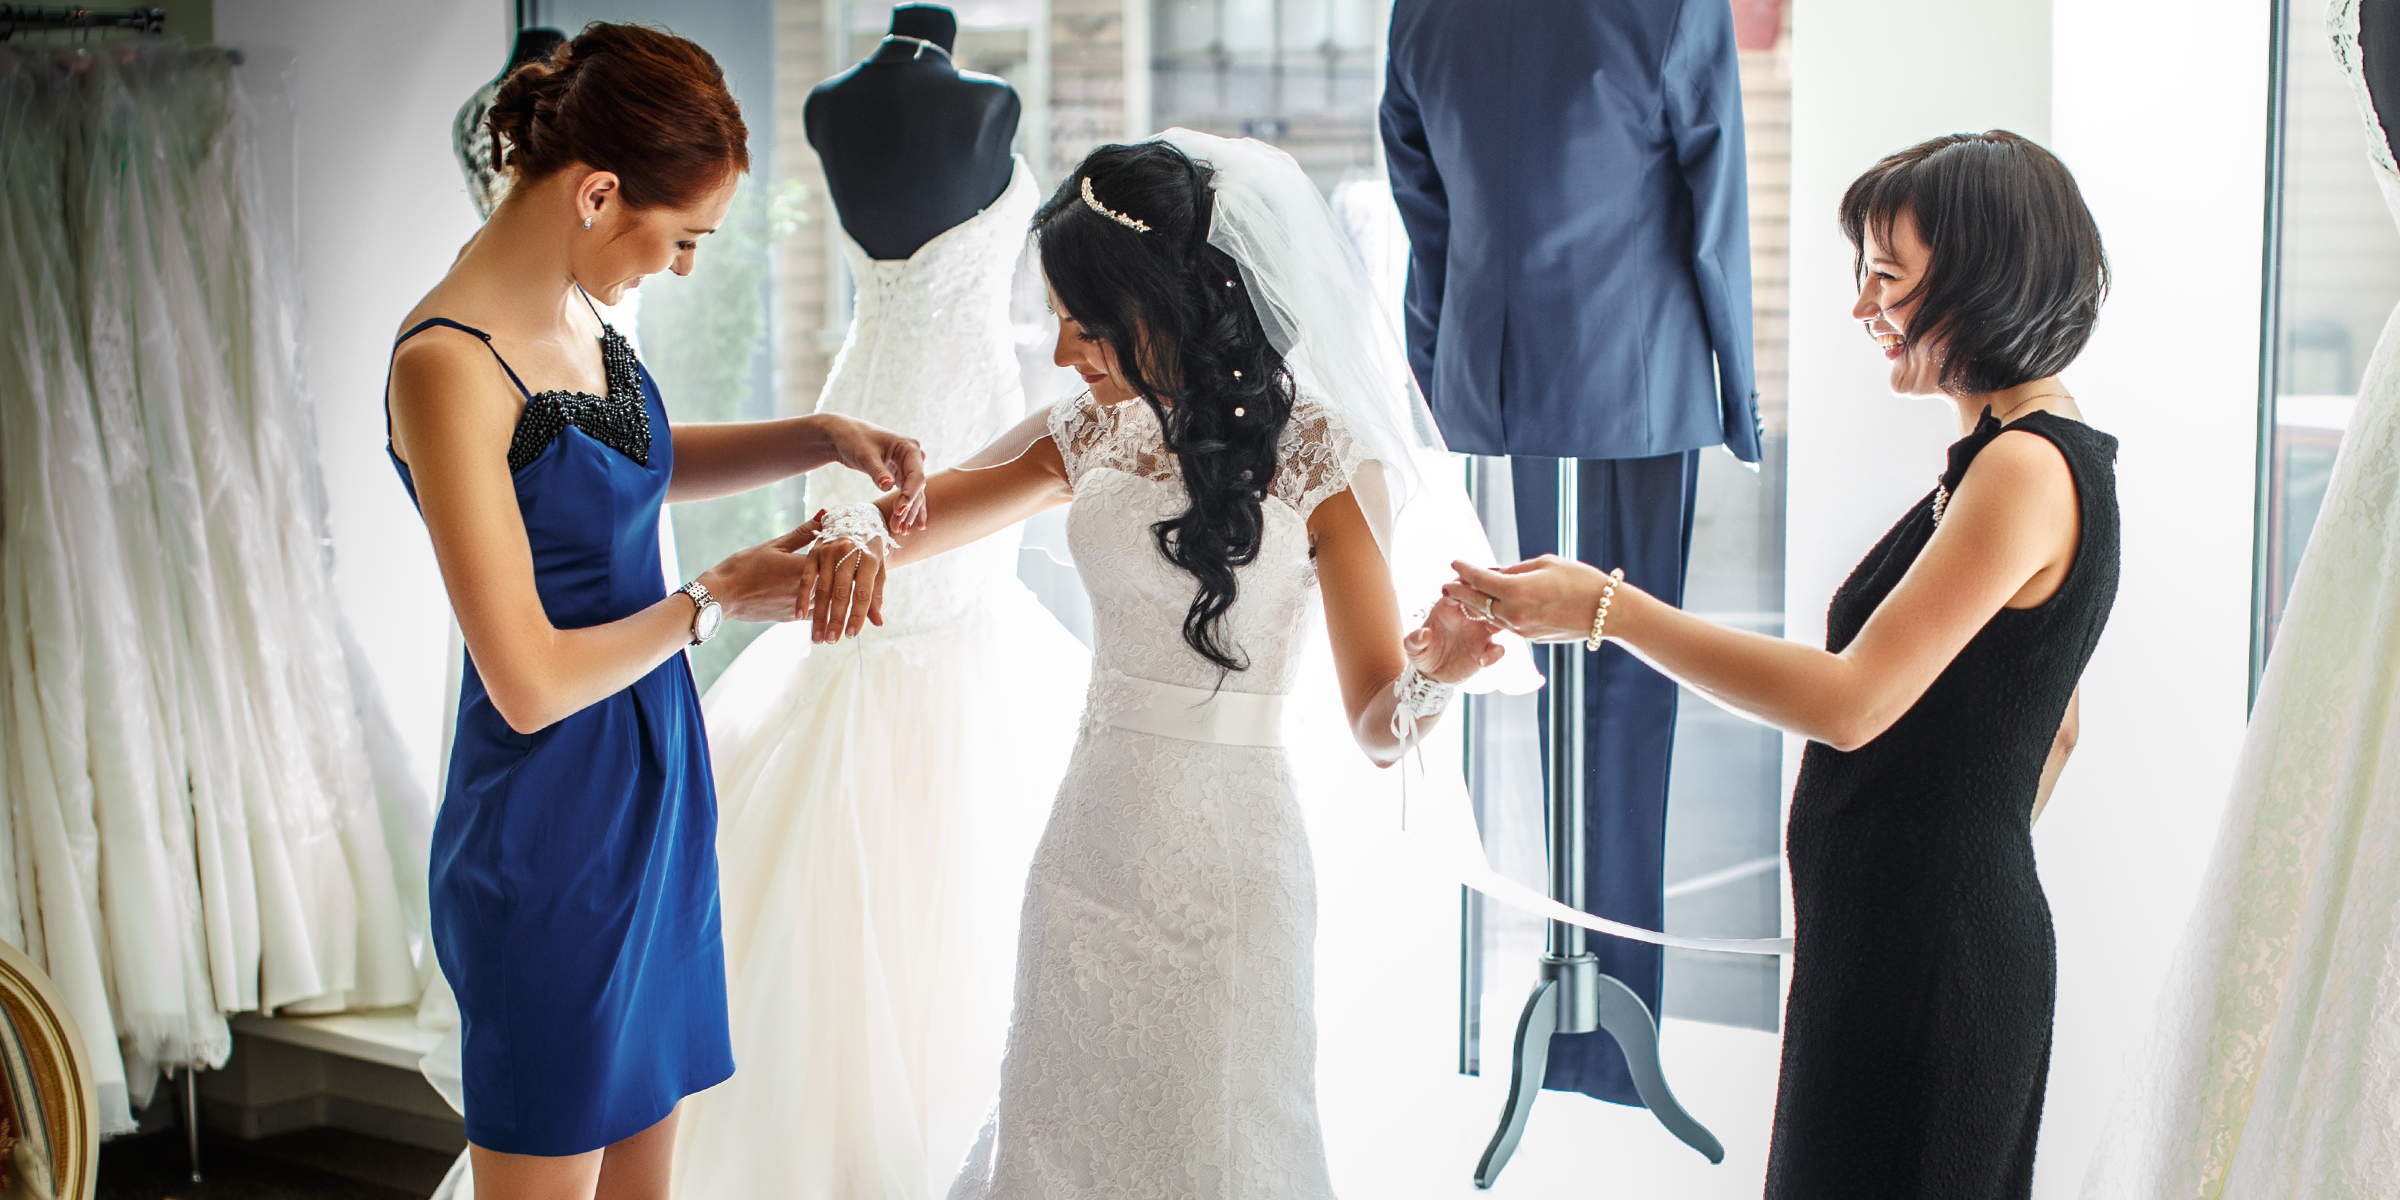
(1635, 513)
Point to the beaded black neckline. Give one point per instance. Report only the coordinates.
(619, 420)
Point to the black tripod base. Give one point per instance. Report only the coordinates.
(1626, 1019)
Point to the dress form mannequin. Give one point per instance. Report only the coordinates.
(911, 144)
(2379, 52)
(471, 135)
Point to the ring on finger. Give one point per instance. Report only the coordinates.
(1488, 615)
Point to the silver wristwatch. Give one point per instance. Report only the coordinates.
(706, 613)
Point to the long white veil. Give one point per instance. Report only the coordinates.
(1342, 341)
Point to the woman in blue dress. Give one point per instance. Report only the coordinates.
(574, 879)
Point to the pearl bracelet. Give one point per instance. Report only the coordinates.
(1608, 592)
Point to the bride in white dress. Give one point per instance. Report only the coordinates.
(1266, 436)
(879, 799)
(2274, 1069)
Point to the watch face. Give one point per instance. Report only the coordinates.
(705, 622)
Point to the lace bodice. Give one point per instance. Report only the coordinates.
(1124, 481)
(930, 351)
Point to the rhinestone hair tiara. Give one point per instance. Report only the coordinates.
(1134, 224)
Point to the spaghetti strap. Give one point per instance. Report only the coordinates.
(429, 323)
(592, 304)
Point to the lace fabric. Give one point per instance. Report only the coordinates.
(1118, 465)
(2274, 1065)
(930, 352)
(1167, 955)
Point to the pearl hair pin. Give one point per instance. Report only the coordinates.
(1093, 202)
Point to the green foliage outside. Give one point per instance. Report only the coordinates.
(701, 335)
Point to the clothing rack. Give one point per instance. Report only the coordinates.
(18, 18)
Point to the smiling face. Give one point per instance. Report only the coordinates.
(1088, 356)
(625, 244)
(1889, 296)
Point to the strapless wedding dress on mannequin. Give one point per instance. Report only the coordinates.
(2275, 1066)
(880, 798)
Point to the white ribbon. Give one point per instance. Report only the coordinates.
(1440, 834)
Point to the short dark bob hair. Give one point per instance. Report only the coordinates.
(2014, 273)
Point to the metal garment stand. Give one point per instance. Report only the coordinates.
(1574, 995)
(1476, 766)
(191, 1116)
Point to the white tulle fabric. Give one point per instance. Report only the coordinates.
(1164, 1040)
(2275, 1065)
(878, 800)
(193, 752)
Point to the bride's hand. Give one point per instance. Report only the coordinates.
(845, 588)
(1546, 599)
(1452, 644)
(891, 460)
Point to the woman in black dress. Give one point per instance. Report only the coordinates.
(1917, 1037)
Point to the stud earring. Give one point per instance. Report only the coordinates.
(587, 222)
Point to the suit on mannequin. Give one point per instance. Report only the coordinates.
(1573, 183)
(911, 145)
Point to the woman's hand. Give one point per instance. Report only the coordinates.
(766, 582)
(845, 589)
(1452, 644)
(894, 462)
(1546, 599)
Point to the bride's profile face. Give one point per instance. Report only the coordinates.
(1089, 357)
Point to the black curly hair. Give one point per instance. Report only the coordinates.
(1177, 313)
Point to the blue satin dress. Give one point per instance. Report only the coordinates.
(574, 872)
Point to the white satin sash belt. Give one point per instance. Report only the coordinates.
(1225, 718)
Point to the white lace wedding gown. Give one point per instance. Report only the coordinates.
(2275, 1069)
(878, 799)
(1164, 1038)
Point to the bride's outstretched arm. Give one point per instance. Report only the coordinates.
(961, 505)
(1362, 617)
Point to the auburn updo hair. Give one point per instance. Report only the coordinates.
(633, 100)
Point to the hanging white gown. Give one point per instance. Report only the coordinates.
(878, 799)
(195, 819)
(2274, 1069)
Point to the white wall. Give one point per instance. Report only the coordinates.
(383, 210)
(2171, 171)
(2174, 172)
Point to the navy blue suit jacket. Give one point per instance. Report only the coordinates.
(1572, 178)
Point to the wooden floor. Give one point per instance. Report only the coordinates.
(315, 1164)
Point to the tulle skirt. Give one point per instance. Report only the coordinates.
(879, 801)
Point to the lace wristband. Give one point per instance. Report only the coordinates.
(1420, 696)
(859, 524)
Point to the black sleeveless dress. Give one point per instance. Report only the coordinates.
(1917, 1036)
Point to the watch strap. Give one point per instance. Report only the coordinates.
(701, 602)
